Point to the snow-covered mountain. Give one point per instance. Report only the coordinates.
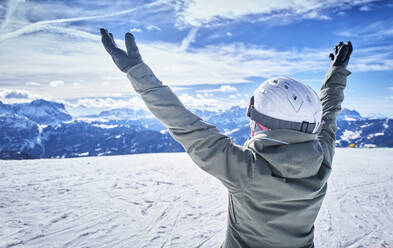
(44, 129)
(39, 111)
(352, 129)
(225, 120)
(365, 132)
(349, 115)
(79, 138)
(126, 117)
(22, 125)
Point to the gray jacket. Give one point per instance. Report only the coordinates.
(276, 181)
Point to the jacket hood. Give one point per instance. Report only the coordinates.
(290, 153)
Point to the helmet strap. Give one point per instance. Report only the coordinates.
(273, 123)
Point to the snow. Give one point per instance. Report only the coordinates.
(370, 146)
(374, 135)
(366, 125)
(347, 118)
(105, 126)
(350, 135)
(231, 131)
(385, 124)
(164, 200)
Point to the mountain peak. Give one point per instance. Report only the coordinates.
(43, 102)
(348, 114)
(40, 111)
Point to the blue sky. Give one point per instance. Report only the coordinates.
(213, 53)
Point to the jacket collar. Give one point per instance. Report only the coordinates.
(272, 137)
(289, 153)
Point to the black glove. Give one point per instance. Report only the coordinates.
(123, 60)
(341, 55)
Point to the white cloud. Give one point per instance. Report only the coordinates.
(315, 15)
(208, 102)
(31, 83)
(10, 96)
(176, 88)
(76, 85)
(112, 78)
(135, 30)
(17, 94)
(227, 88)
(56, 83)
(200, 102)
(216, 64)
(108, 103)
(228, 63)
(229, 34)
(64, 56)
(375, 30)
(57, 50)
(365, 8)
(378, 58)
(223, 88)
(201, 12)
(153, 27)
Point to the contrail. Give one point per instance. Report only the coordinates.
(12, 7)
(189, 38)
(42, 24)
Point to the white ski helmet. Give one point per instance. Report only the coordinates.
(284, 102)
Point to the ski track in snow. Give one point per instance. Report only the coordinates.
(164, 200)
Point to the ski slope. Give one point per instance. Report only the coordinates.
(164, 200)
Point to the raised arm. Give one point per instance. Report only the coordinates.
(332, 95)
(208, 148)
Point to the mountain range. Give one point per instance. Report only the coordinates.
(44, 129)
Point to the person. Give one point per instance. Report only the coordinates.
(277, 180)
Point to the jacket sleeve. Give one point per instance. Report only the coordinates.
(212, 151)
(332, 95)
